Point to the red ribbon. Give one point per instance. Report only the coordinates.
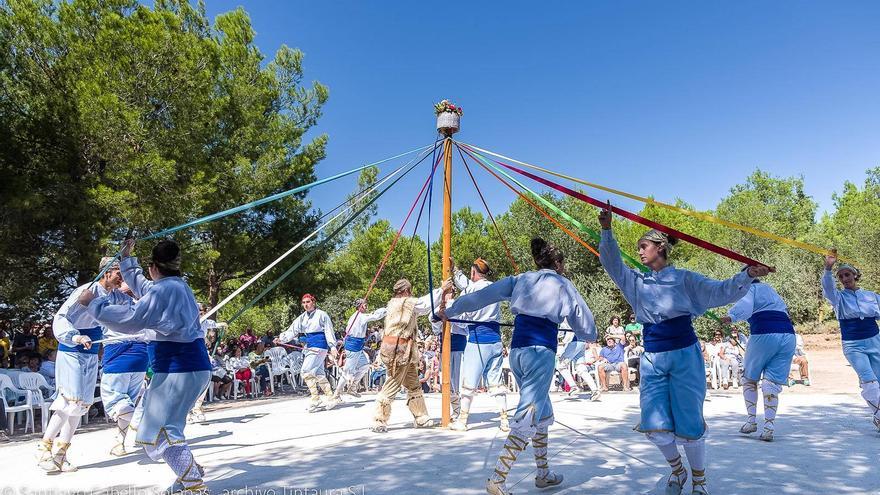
(638, 219)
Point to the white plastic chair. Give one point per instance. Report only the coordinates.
(278, 367)
(35, 383)
(236, 382)
(11, 410)
(96, 400)
(294, 363)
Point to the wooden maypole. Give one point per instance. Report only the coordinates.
(448, 123)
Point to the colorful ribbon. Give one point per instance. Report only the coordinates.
(638, 219)
(691, 213)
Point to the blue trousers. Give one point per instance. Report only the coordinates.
(672, 391)
(533, 367)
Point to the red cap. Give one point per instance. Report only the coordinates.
(308, 296)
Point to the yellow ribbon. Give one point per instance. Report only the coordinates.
(691, 213)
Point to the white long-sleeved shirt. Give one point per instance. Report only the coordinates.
(671, 292)
(760, 297)
(847, 303)
(73, 316)
(314, 322)
(166, 310)
(357, 324)
(491, 312)
(541, 293)
(456, 328)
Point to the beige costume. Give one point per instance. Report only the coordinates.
(399, 352)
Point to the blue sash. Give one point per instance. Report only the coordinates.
(487, 332)
(858, 328)
(458, 342)
(316, 339)
(531, 330)
(354, 344)
(770, 322)
(669, 335)
(125, 357)
(92, 333)
(179, 357)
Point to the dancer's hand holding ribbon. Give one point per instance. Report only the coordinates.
(83, 340)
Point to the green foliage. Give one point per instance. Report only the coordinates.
(117, 119)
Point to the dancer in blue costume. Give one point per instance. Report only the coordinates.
(857, 311)
(124, 367)
(76, 368)
(540, 300)
(673, 375)
(357, 363)
(317, 331)
(167, 313)
(483, 353)
(768, 356)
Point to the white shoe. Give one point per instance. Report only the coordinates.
(766, 435)
(504, 425)
(58, 464)
(315, 407)
(877, 423)
(552, 479)
(458, 426)
(674, 484)
(495, 488)
(379, 429)
(429, 423)
(595, 395)
(749, 427)
(331, 403)
(700, 490)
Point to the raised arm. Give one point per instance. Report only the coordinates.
(134, 277)
(423, 304)
(375, 315)
(829, 288)
(623, 277)
(460, 280)
(146, 313)
(501, 290)
(743, 308)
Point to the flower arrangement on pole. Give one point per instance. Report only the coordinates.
(448, 117)
(447, 106)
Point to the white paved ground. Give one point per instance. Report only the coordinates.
(825, 444)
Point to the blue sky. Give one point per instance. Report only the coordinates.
(671, 99)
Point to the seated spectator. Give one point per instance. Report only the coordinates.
(377, 372)
(260, 363)
(247, 339)
(615, 329)
(220, 379)
(730, 359)
(46, 341)
(741, 338)
(241, 369)
(24, 343)
(633, 354)
(5, 349)
(634, 326)
(800, 359)
(47, 367)
(611, 359)
(267, 339)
